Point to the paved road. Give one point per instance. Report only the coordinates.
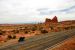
(41, 42)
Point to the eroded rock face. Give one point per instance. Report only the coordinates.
(47, 20)
(54, 20)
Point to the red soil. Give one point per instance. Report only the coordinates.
(67, 45)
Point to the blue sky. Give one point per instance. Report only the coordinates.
(27, 11)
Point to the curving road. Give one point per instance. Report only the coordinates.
(41, 42)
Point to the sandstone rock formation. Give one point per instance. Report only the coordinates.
(54, 20)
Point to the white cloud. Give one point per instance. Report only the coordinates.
(47, 11)
(12, 11)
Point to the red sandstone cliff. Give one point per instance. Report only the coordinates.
(54, 20)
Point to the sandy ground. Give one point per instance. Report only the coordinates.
(66, 45)
(14, 41)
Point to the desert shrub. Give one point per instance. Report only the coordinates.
(34, 28)
(44, 31)
(14, 37)
(15, 31)
(51, 27)
(26, 28)
(40, 28)
(9, 37)
(1, 32)
(26, 32)
(66, 28)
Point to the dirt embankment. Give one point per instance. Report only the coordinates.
(67, 45)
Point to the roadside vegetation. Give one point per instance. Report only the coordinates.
(28, 30)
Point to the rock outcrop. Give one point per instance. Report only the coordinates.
(47, 20)
(54, 20)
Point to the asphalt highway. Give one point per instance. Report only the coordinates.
(41, 42)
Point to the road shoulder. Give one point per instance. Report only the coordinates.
(68, 44)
